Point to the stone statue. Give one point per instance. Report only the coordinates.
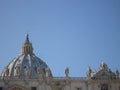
(17, 70)
(47, 72)
(103, 66)
(67, 72)
(39, 72)
(89, 71)
(117, 73)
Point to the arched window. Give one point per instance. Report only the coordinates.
(104, 87)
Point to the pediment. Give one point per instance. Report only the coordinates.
(104, 73)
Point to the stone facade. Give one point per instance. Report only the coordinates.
(28, 72)
(57, 83)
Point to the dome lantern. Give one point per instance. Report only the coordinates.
(27, 46)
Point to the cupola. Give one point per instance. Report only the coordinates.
(27, 64)
(27, 46)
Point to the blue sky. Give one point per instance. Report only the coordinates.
(64, 33)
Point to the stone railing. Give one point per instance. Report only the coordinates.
(105, 78)
(53, 78)
(71, 78)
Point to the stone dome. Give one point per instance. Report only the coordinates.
(27, 64)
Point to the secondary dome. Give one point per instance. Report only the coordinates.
(27, 64)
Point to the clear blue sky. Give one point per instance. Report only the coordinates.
(64, 33)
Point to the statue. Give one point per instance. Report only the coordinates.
(39, 72)
(17, 70)
(117, 73)
(67, 72)
(89, 71)
(103, 66)
(6, 75)
(47, 72)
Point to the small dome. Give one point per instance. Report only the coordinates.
(27, 64)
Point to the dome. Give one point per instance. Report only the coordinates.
(27, 64)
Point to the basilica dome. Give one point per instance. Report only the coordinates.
(27, 64)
